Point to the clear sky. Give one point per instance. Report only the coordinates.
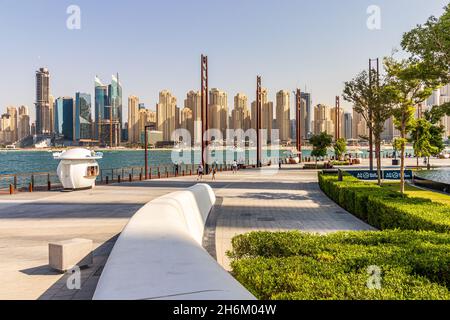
(156, 45)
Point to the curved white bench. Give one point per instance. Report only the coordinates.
(159, 254)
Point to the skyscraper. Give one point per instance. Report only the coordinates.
(283, 115)
(218, 110)
(187, 122)
(389, 131)
(23, 123)
(341, 121)
(115, 99)
(264, 100)
(193, 102)
(240, 115)
(267, 119)
(115, 111)
(306, 100)
(82, 117)
(133, 120)
(323, 120)
(101, 102)
(146, 118)
(347, 126)
(64, 117)
(359, 126)
(51, 100)
(108, 111)
(166, 114)
(9, 126)
(12, 111)
(6, 134)
(43, 107)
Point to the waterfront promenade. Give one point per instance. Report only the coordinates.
(250, 200)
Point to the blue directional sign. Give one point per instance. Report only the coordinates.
(373, 175)
(364, 174)
(395, 174)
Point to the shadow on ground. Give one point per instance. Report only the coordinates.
(89, 277)
(67, 210)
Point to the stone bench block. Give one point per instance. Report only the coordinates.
(64, 255)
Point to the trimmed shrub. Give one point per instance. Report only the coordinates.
(383, 208)
(294, 265)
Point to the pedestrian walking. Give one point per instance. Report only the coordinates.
(214, 171)
(234, 165)
(200, 172)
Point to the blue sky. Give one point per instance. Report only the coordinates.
(156, 45)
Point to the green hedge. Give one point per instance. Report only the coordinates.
(294, 265)
(385, 209)
(340, 163)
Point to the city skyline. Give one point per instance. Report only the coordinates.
(71, 119)
(296, 60)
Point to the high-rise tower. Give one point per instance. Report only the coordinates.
(43, 107)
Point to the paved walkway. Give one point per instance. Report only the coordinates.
(247, 201)
(28, 222)
(290, 200)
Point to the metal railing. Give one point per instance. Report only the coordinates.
(35, 181)
(48, 181)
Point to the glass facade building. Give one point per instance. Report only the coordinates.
(307, 98)
(108, 104)
(115, 98)
(83, 118)
(64, 117)
(101, 102)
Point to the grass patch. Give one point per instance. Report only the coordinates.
(414, 192)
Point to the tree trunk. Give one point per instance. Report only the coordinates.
(378, 155)
(402, 161)
(428, 164)
(370, 149)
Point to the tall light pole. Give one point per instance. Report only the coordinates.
(370, 110)
(338, 118)
(204, 108)
(146, 150)
(258, 121)
(298, 106)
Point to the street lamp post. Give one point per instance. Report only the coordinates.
(146, 151)
(258, 122)
(370, 109)
(298, 129)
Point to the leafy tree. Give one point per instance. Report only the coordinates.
(437, 129)
(340, 148)
(437, 132)
(320, 143)
(430, 43)
(372, 97)
(421, 140)
(409, 86)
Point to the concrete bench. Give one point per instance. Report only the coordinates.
(64, 255)
(159, 254)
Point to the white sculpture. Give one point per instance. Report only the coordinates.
(78, 168)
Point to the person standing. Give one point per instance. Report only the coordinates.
(234, 167)
(200, 172)
(176, 169)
